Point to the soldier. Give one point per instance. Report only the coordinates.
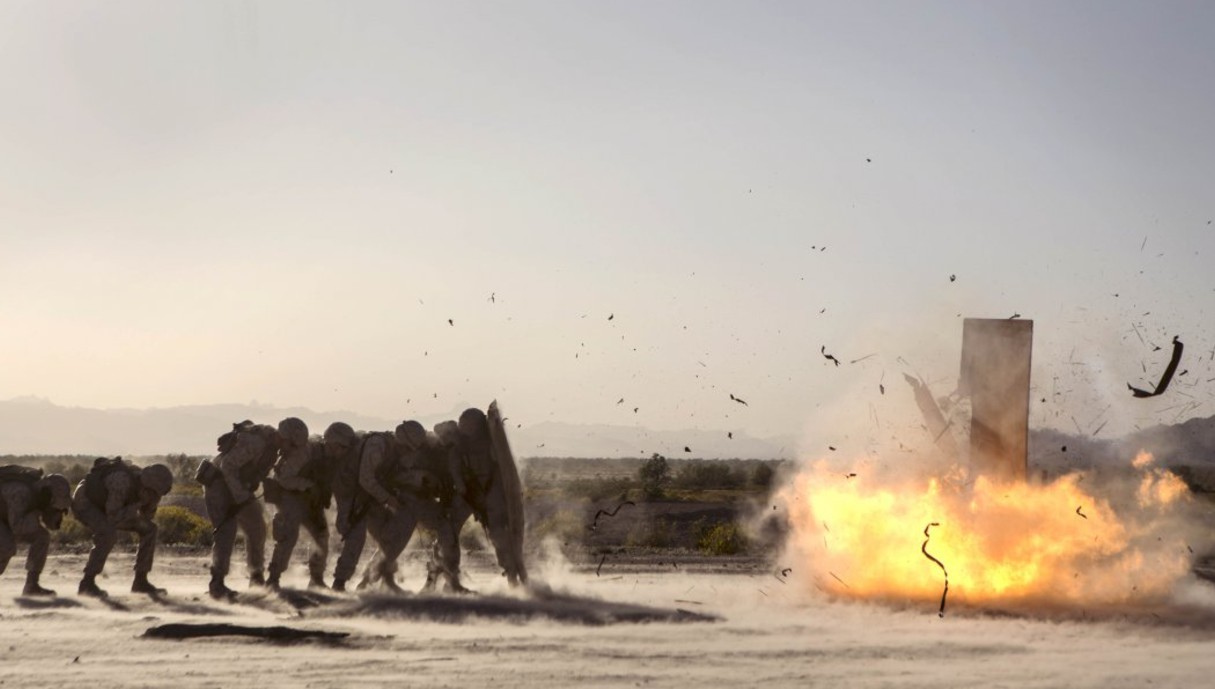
(401, 493)
(119, 496)
(481, 491)
(343, 447)
(422, 484)
(300, 491)
(30, 503)
(246, 454)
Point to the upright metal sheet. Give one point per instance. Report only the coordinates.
(996, 358)
(512, 490)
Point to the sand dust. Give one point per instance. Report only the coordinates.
(584, 631)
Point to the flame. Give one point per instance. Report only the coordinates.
(862, 537)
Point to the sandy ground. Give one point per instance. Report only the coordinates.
(581, 632)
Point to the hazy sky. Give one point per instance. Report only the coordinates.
(226, 201)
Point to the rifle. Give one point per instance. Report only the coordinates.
(358, 510)
(235, 510)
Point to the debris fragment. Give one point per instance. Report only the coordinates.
(1081, 513)
(686, 448)
(730, 435)
(867, 356)
(924, 549)
(827, 356)
(739, 400)
(1168, 373)
(601, 560)
(952, 277)
(601, 512)
(839, 580)
(610, 317)
(449, 322)
(831, 447)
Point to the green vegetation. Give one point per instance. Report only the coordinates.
(180, 526)
(721, 538)
(654, 476)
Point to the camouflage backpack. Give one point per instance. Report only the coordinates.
(94, 481)
(18, 473)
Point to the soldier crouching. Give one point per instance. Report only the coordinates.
(30, 504)
(118, 496)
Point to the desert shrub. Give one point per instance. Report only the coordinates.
(178, 525)
(709, 475)
(721, 538)
(655, 533)
(761, 476)
(71, 532)
(654, 476)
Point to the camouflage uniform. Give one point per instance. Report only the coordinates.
(302, 501)
(343, 448)
(24, 518)
(421, 484)
(115, 498)
(388, 523)
(231, 503)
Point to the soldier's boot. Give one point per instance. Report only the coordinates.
(272, 583)
(88, 587)
(339, 585)
(316, 581)
(218, 590)
(32, 588)
(142, 585)
(257, 579)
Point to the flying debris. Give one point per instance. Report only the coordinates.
(867, 356)
(952, 277)
(1168, 373)
(620, 401)
(600, 513)
(635, 409)
(1081, 513)
(686, 448)
(881, 388)
(450, 322)
(492, 296)
(924, 549)
(730, 435)
(829, 357)
(610, 317)
(1014, 317)
(739, 400)
(831, 447)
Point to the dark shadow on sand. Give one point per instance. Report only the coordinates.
(536, 605)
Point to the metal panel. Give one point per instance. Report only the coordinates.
(996, 357)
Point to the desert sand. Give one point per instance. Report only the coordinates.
(745, 626)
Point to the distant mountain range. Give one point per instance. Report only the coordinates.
(36, 426)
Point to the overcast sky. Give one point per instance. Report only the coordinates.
(287, 202)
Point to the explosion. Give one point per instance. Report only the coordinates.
(864, 537)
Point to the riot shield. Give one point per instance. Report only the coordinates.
(512, 491)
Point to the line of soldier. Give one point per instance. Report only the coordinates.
(114, 496)
(384, 484)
